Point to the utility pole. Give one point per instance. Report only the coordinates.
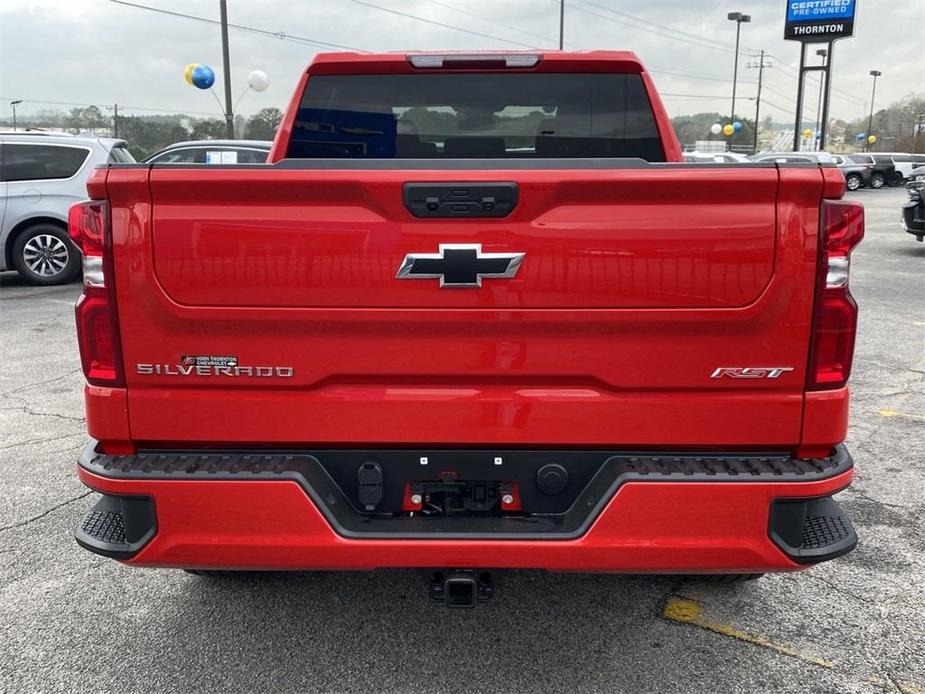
(561, 24)
(226, 70)
(13, 105)
(115, 120)
(761, 65)
(870, 120)
(821, 52)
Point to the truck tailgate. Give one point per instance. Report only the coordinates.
(594, 239)
(637, 284)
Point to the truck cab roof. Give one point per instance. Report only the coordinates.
(557, 61)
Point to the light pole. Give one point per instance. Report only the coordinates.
(226, 69)
(561, 23)
(13, 105)
(738, 18)
(875, 74)
(823, 53)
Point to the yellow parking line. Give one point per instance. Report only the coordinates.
(894, 413)
(685, 611)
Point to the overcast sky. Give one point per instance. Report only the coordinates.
(99, 51)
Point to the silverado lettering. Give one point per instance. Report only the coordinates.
(190, 370)
(553, 410)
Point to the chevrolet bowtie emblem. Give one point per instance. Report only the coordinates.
(460, 265)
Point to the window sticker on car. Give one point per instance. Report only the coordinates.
(222, 157)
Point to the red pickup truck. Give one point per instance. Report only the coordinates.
(475, 313)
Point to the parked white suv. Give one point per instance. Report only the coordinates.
(41, 176)
(904, 162)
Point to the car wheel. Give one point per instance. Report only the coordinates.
(43, 254)
(853, 182)
(876, 181)
(897, 179)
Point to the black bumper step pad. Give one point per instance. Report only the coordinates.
(117, 526)
(322, 475)
(107, 527)
(257, 465)
(811, 530)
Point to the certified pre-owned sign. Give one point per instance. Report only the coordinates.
(818, 21)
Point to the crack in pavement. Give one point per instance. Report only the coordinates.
(45, 513)
(48, 439)
(30, 386)
(859, 491)
(838, 588)
(26, 409)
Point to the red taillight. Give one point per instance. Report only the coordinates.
(97, 326)
(86, 224)
(836, 314)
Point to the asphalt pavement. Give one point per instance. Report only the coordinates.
(73, 621)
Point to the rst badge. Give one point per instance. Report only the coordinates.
(460, 265)
(750, 371)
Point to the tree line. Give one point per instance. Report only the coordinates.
(900, 127)
(149, 133)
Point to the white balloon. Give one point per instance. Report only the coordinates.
(716, 128)
(258, 80)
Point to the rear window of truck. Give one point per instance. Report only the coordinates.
(475, 115)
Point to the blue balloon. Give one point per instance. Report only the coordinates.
(737, 126)
(861, 136)
(203, 77)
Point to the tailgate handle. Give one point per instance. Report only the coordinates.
(449, 200)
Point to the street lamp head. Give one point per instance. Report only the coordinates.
(876, 73)
(16, 103)
(734, 16)
(746, 18)
(823, 52)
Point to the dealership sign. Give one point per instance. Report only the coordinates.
(818, 21)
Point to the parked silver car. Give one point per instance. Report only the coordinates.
(213, 152)
(41, 176)
(781, 157)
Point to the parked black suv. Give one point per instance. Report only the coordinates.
(882, 171)
(913, 215)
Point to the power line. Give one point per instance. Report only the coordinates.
(796, 74)
(646, 25)
(675, 95)
(687, 37)
(281, 35)
(492, 21)
(710, 78)
(781, 94)
(441, 24)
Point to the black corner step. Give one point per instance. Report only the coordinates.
(811, 530)
(117, 526)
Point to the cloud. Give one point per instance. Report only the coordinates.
(98, 51)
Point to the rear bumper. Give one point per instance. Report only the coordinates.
(672, 521)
